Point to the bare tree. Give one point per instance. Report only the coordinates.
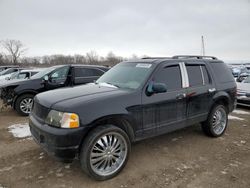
(92, 57)
(112, 59)
(15, 48)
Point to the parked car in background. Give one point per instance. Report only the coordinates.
(243, 76)
(20, 94)
(243, 92)
(8, 72)
(134, 100)
(237, 71)
(24, 74)
(2, 68)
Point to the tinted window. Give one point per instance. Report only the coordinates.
(171, 76)
(33, 73)
(86, 72)
(194, 75)
(222, 72)
(205, 75)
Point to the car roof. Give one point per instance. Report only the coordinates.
(158, 60)
(8, 66)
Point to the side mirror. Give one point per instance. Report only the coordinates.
(46, 78)
(248, 94)
(156, 88)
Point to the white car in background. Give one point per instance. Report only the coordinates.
(243, 92)
(8, 72)
(24, 74)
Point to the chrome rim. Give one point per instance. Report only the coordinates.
(26, 105)
(108, 154)
(219, 121)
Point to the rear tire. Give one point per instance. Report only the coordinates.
(217, 121)
(23, 104)
(105, 152)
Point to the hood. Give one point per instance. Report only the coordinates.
(76, 94)
(16, 82)
(244, 87)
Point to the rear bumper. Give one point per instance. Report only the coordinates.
(62, 143)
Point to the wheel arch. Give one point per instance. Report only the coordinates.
(23, 93)
(222, 98)
(122, 121)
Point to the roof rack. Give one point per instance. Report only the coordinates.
(156, 58)
(193, 56)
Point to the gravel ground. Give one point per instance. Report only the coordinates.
(185, 158)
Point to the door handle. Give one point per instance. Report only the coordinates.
(181, 96)
(211, 90)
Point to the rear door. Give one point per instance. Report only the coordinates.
(83, 75)
(199, 93)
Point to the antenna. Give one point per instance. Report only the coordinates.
(202, 46)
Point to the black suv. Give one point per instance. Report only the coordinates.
(20, 94)
(132, 101)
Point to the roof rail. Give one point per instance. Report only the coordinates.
(193, 56)
(156, 58)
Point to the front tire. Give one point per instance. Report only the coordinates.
(105, 152)
(217, 121)
(23, 104)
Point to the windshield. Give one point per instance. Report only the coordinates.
(7, 71)
(43, 72)
(126, 75)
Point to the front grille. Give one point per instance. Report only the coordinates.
(40, 111)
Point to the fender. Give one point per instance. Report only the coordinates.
(28, 91)
(221, 95)
(124, 121)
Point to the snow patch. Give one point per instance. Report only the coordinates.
(20, 130)
(235, 118)
(241, 112)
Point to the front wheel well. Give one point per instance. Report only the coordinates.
(21, 94)
(118, 121)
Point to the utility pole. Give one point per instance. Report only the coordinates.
(202, 46)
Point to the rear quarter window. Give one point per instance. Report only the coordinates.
(222, 72)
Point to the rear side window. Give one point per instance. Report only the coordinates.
(87, 72)
(194, 75)
(222, 72)
(197, 75)
(171, 76)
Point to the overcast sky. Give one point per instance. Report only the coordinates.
(142, 27)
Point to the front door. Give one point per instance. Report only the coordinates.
(58, 78)
(164, 112)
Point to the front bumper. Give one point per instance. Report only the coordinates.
(62, 143)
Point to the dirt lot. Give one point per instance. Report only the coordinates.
(184, 158)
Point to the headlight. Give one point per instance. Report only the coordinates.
(62, 119)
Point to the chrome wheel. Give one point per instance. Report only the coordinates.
(219, 121)
(26, 105)
(108, 154)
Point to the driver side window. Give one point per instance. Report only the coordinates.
(171, 76)
(59, 75)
